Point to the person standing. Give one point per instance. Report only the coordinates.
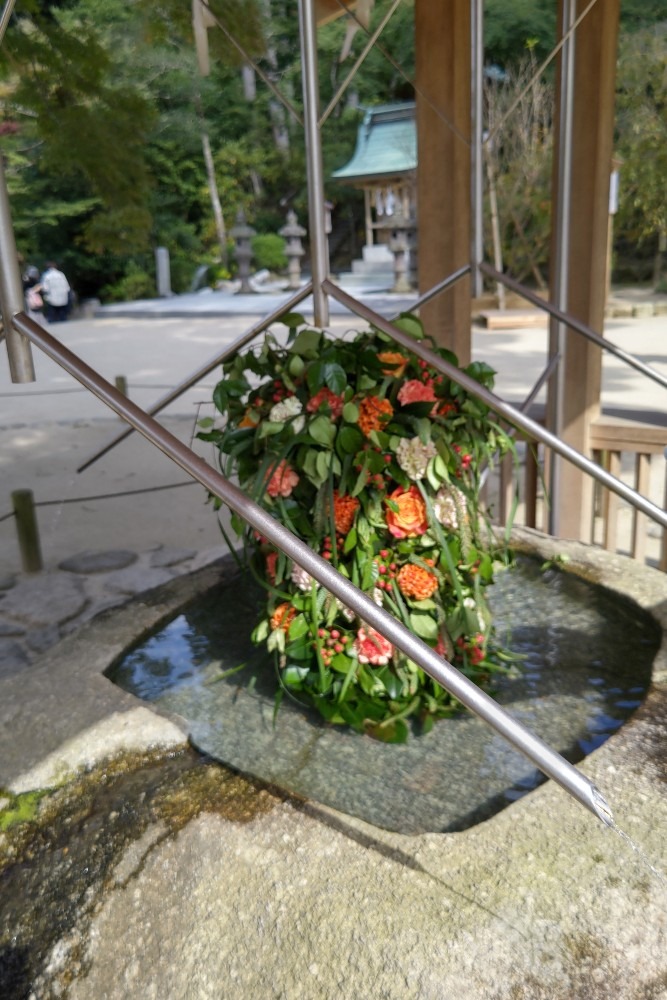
(56, 292)
(32, 290)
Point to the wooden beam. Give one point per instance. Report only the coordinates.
(443, 51)
(595, 50)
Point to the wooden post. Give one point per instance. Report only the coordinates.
(23, 504)
(592, 137)
(443, 51)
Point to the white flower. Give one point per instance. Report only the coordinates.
(413, 456)
(286, 410)
(447, 504)
(378, 596)
(348, 613)
(301, 578)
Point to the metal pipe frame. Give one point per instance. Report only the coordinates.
(472, 697)
(575, 324)
(319, 250)
(559, 287)
(195, 377)
(7, 12)
(12, 300)
(530, 398)
(476, 147)
(353, 72)
(442, 286)
(499, 406)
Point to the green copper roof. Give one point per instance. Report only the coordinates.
(386, 144)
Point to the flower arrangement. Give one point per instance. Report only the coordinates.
(373, 459)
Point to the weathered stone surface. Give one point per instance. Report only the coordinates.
(11, 628)
(98, 562)
(7, 581)
(12, 657)
(136, 580)
(46, 599)
(42, 638)
(170, 557)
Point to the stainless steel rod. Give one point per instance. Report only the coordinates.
(472, 697)
(476, 146)
(191, 380)
(575, 324)
(5, 17)
(560, 283)
(360, 59)
(442, 286)
(319, 250)
(498, 405)
(12, 300)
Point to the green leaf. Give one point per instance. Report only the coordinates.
(424, 625)
(350, 541)
(292, 319)
(205, 422)
(349, 440)
(269, 427)
(307, 343)
(293, 676)
(351, 413)
(261, 631)
(298, 628)
(322, 430)
(411, 325)
(334, 377)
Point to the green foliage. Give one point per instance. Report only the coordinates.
(269, 252)
(642, 133)
(135, 284)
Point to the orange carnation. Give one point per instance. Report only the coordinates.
(374, 413)
(345, 508)
(283, 616)
(397, 361)
(416, 582)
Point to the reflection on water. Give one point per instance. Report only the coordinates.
(587, 665)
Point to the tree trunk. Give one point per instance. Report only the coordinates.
(215, 198)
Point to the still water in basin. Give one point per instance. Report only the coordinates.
(586, 667)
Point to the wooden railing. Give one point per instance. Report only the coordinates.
(629, 450)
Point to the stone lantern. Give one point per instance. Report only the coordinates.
(292, 232)
(399, 244)
(242, 234)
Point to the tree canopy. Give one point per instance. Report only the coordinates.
(106, 123)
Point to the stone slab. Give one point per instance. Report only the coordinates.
(45, 599)
(98, 562)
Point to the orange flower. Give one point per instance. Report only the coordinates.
(325, 395)
(415, 391)
(271, 560)
(250, 419)
(397, 361)
(345, 508)
(374, 413)
(283, 617)
(410, 518)
(282, 481)
(416, 582)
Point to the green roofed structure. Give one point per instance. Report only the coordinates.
(384, 167)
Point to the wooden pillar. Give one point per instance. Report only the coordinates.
(596, 42)
(443, 51)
